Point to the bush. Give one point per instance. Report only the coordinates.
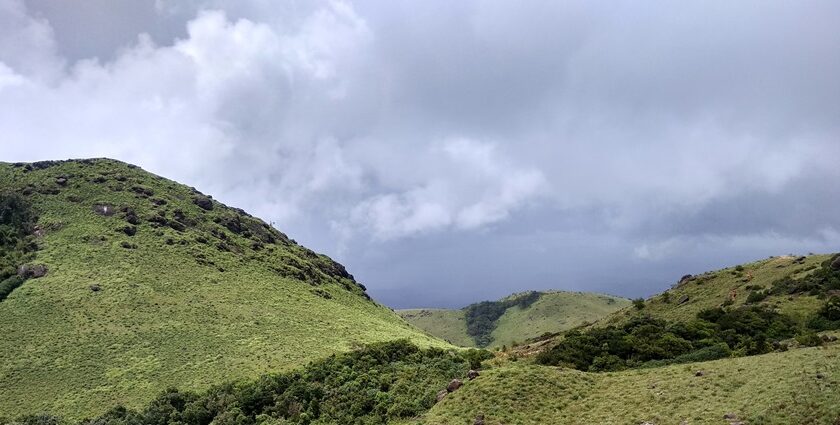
(9, 285)
(756, 297)
(809, 339)
(716, 333)
(475, 357)
(639, 303)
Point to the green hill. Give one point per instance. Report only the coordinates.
(755, 342)
(519, 317)
(755, 283)
(116, 283)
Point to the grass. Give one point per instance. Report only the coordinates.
(554, 311)
(713, 289)
(793, 387)
(446, 324)
(223, 298)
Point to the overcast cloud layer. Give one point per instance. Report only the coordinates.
(449, 152)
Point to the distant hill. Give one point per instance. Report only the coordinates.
(515, 318)
(116, 283)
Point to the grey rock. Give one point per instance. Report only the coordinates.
(32, 271)
(454, 385)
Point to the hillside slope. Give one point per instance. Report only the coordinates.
(793, 387)
(551, 311)
(732, 287)
(646, 364)
(139, 283)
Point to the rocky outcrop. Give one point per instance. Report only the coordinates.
(32, 271)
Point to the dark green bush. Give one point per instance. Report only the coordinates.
(716, 333)
(756, 297)
(639, 303)
(17, 223)
(475, 357)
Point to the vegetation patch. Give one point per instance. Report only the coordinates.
(373, 385)
(647, 341)
(17, 243)
(481, 317)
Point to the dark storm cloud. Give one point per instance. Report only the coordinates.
(450, 152)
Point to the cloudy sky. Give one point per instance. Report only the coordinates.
(450, 152)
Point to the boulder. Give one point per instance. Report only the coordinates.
(686, 278)
(32, 271)
(454, 385)
(95, 287)
(441, 394)
(104, 209)
(699, 373)
(683, 299)
(203, 202)
(129, 230)
(479, 420)
(835, 265)
(61, 181)
(472, 374)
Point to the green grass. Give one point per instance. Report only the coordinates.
(554, 311)
(713, 289)
(793, 387)
(448, 325)
(188, 308)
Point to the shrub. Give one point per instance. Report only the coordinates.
(756, 297)
(809, 339)
(716, 333)
(639, 303)
(475, 357)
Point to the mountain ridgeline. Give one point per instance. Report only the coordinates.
(116, 283)
(515, 318)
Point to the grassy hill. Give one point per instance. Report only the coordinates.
(794, 387)
(732, 287)
(130, 283)
(552, 311)
(645, 364)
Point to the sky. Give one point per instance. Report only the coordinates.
(452, 152)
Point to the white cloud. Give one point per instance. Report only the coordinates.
(429, 122)
(474, 186)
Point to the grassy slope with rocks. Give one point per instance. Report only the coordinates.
(150, 284)
(553, 311)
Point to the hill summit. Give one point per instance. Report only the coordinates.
(116, 283)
